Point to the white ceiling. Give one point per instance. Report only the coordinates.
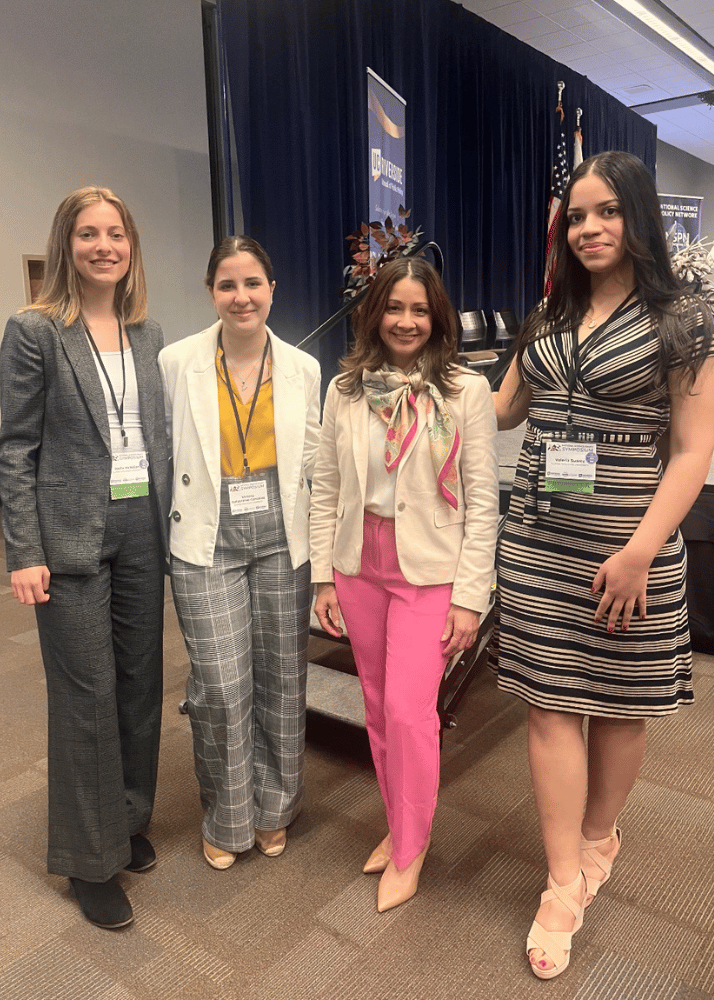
(584, 37)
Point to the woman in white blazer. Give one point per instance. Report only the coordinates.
(243, 415)
(402, 537)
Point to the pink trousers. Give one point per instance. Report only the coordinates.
(395, 629)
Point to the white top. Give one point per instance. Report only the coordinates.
(132, 417)
(381, 485)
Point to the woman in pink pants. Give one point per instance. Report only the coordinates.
(402, 537)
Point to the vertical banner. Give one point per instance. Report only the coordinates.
(387, 149)
(682, 217)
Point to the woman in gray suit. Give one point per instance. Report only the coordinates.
(243, 407)
(84, 486)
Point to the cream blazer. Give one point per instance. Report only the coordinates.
(435, 543)
(188, 370)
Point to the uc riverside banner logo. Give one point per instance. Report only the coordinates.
(387, 144)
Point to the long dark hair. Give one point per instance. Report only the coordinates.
(672, 309)
(232, 245)
(439, 356)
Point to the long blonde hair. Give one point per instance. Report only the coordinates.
(60, 296)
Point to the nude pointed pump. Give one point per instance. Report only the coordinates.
(396, 887)
(380, 857)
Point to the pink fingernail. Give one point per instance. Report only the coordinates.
(610, 628)
(625, 628)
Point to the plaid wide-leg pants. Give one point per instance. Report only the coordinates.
(245, 621)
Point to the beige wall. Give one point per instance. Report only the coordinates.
(109, 94)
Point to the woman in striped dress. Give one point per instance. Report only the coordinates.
(592, 568)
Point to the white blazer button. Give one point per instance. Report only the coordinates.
(176, 516)
(185, 479)
(401, 505)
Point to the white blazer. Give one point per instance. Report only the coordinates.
(188, 370)
(435, 543)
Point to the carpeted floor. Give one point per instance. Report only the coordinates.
(304, 926)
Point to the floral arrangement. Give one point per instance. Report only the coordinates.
(392, 242)
(694, 265)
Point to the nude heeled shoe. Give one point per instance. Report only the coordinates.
(396, 887)
(216, 856)
(556, 944)
(271, 842)
(590, 849)
(380, 857)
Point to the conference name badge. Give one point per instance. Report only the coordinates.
(130, 475)
(570, 466)
(248, 496)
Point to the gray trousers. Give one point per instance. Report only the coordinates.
(245, 621)
(101, 640)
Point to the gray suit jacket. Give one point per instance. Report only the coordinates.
(55, 446)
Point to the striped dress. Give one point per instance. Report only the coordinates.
(551, 653)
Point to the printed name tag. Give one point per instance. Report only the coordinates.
(570, 466)
(130, 475)
(249, 496)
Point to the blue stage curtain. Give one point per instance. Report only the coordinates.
(481, 126)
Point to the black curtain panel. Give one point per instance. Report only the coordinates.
(481, 133)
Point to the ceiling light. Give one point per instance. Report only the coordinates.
(660, 25)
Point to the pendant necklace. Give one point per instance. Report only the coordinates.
(244, 381)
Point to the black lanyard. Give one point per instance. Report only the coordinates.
(574, 372)
(119, 408)
(243, 437)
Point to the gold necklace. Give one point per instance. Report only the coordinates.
(244, 381)
(609, 309)
(595, 318)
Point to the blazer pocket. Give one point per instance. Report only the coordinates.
(443, 516)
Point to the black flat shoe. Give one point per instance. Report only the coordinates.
(143, 855)
(103, 903)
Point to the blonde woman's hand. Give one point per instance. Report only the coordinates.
(624, 577)
(30, 585)
(327, 609)
(460, 631)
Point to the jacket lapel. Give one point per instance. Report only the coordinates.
(202, 393)
(359, 426)
(79, 354)
(289, 413)
(145, 365)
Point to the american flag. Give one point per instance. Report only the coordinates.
(577, 142)
(559, 178)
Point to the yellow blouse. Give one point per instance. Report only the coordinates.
(260, 440)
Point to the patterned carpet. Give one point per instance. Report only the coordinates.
(305, 926)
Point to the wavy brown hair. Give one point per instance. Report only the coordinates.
(438, 359)
(60, 296)
(672, 308)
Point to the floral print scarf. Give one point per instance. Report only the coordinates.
(397, 399)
